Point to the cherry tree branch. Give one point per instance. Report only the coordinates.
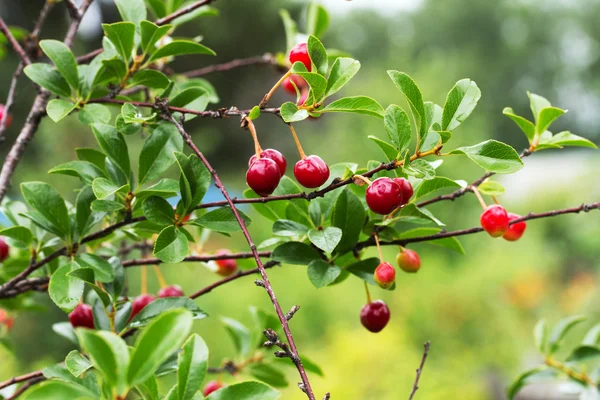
(22, 378)
(14, 43)
(426, 347)
(265, 279)
(266, 58)
(26, 386)
(214, 257)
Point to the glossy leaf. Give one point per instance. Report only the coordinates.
(113, 145)
(57, 109)
(342, 70)
(560, 330)
(49, 78)
(76, 363)
(290, 112)
(193, 364)
(222, 220)
(295, 253)
(171, 246)
(285, 227)
(493, 156)
(49, 204)
(103, 270)
(163, 304)
(397, 126)
(318, 54)
(460, 103)
(20, 233)
(317, 20)
(64, 290)
(151, 33)
(64, 60)
(321, 273)
(326, 239)
(104, 188)
(181, 47)
(357, 104)
(94, 114)
(433, 185)
(150, 78)
(349, 216)
(121, 35)
(132, 10)
(159, 211)
(245, 391)
(56, 390)
(413, 95)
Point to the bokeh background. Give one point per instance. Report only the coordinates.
(477, 310)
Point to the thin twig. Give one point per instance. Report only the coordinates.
(420, 370)
(183, 11)
(14, 43)
(22, 378)
(266, 58)
(26, 386)
(232, 256)
(10, 99)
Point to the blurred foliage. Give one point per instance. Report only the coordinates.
(477, 310)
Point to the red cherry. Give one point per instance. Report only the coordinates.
(300, 53)
(515, 231)
(82, 316)
(494, 220)
(298, 81)
(273, 155)
(4, 249)
(226, 266)
(375, 316)
(212, 386)
(186, 218)
(6, 320)
(171, 291)
(408, 260)
(406, 188)
(311, 172)
(383, 196)
(8, 121)
(139, 303)
(263, 176)
(385, 275)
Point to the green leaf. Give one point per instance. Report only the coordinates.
(254, 113)
(193, 364)
(364, 269)
(526, 126)
(58, 109)
(94, 113)
(103, 270)
(584, 354)
(565, 138)
(239, 334)
(285, 227)
(104, 188)
(49, 204)
(181, 47)
(592, 336)
(391, 153)
(493, 156)
(57, 390)
(113, 70)
(491, 188)
(151, 33)
(171, 246)
(49, 78)
(547, 117)
(222, 220)
(164, 188)
(451, 243)
(148, 389)
(194, 181)
(132, 10)
(159, 211)
(420, 169)
(290, 29)
(131, 115)
(163, 304)
(121, 35)
(19, 233)
(397, 126)
(157, 341)
(84, 217)
(413, 95)
(561, 329)
(245, 391)
(114, 146)
(267, 374)
(150, 78)
(321, 273)
(109, 355)
(460, 103)
(412, 213)
(317, 20)
(356, 104)
(317, 82)
(318, 54)
(537, 103)
(342, 70)
(158, 7)
(433, 185)
(63, 58)
(349, 216)
(157, 155)
(325, 239)
(64, 290)
(536, 374)
(76, 363)
(106, 206)
(290, 112)
(295, 253)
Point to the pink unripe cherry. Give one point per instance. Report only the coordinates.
(494, 220)
(375, 316)
(82, 316)
(171, 291)
(408, 260)
(212, 386)
(139, 303)
(225, 266)
(384, 275)
(311, 172)
(515, 231)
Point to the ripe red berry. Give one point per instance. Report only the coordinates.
(8, 117)
(273, 155)
(139, 303)
(385, 275)
(383, 195)
(494, 220)
(263, 176)
(82, 316)
(408, 260)
(300, 53)
(225, 266)
(515, 231)
(6, 320)
(406, 188)
(311, 172)
(171, 291)
(298, 81)
(4, 249)
(212, 386)
(375, 316)
(186, 218)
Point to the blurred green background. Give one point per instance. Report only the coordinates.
(477, 310)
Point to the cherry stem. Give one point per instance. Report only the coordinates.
(161, 279)
(478, 195)
(144, 279)
(495, 199)
(378, 247)
(302, 155)
(265, 100)
(368, 293)
(252, 128)
(364, 179)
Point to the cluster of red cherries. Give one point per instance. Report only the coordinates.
(497, 222)
(268, 166)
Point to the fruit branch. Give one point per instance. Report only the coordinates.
(14, 43)
(426, 347)
(22, 378)
(267, 285)
(266, 58)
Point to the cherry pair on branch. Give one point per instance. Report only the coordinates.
(497, 222)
